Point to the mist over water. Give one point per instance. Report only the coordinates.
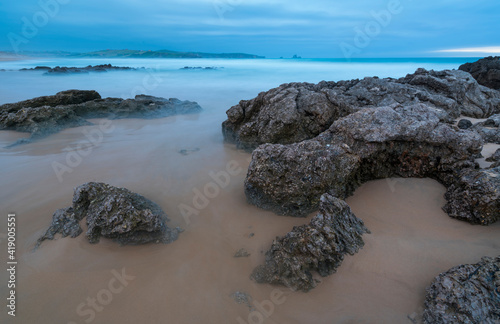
(192, 279)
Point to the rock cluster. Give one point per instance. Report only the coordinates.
(114, 213)
(87, 69)
(298, 111)
(318, 247)
(465, 294)
(486, 71)
(43, 116)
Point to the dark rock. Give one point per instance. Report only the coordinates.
(188, 151)
(465, 294)
(241, 253)
(474, 196)
(298, 111)
(486, 71)
(495, 157)
(375, 143)
(87, 69)
(47, 115)
(318, 247)
(38, 68)
(464, 124)
(114, 213)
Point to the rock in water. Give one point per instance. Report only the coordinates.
(299, 111)
(486, 71)
(47, 115)
(465, 294)
(318, 247)
(114, 213)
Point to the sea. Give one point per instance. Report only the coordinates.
(172, 161)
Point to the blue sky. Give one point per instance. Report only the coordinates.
(273, 28)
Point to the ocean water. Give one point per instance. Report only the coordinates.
(192, 279)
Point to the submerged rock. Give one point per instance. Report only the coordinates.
(43, 116)
(114, 213)
(86, 69)
(374, 143)
(318, 247)
(298, 111)
(486, 71)
(465, 294)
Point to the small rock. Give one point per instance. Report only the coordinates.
(464, 124)
(241, 253)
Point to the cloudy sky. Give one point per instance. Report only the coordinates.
(273, 28)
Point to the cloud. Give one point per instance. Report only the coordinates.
(471, 50)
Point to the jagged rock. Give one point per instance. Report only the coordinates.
(47, 115)
(374, 143)
(467, 294)
(318, 247)
(486, 71)
(298, 111)
(111, 212)
(475, 196)
(464, 124)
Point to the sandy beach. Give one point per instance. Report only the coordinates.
(192, 279)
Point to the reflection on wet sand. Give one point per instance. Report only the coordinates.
(192, 279)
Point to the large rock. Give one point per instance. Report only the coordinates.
(486, 71)
(474, 196)
(373, 143)
(298, 111)
(47, 115)
(467, 294)
(114, 213)
(318, 247)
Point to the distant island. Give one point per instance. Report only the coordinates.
(126, 53)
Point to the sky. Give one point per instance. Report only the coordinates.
(272, 28)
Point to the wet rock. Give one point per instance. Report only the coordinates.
(465, 294)
(241, 253)
(86, 69)
(474, 196)
(47, 115)
(464, 124)
(114, 213)
(373, 143)
(188, 151)
(486, 71)
(318, 247)
(299, 111)
(241, 297)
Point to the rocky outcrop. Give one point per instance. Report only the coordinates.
(114, 213)
(299, 111)
(373, 143)
(486, 71)
(86, 69)
(318, 247)
(47, 115)
(465, 294)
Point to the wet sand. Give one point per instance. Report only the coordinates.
(192, 279)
